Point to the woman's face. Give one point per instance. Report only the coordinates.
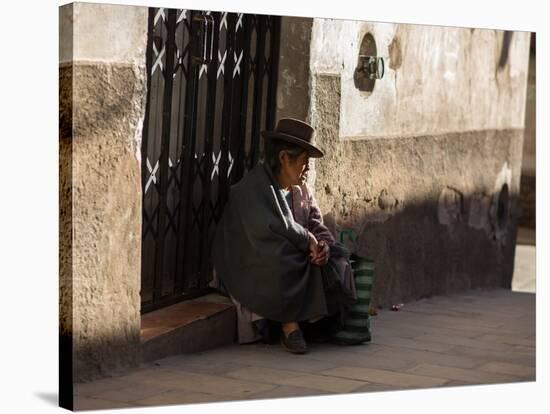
(295, 171)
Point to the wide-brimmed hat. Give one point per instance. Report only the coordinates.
(297, 132)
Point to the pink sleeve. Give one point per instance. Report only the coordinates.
(315, 221)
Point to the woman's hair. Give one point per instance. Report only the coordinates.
(272, 149)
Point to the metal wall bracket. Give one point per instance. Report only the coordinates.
(373, 66)
(370, 66)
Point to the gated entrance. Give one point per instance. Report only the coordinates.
(211, 90)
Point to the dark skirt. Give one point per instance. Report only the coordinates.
(339, 293)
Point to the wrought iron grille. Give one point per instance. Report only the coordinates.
(211, 90)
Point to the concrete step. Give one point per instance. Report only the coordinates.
(190, 326)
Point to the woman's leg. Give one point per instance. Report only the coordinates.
(289, 327)
(292, 338)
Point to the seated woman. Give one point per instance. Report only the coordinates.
(271, 250)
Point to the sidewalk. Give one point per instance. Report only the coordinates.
(478, 337)
(525, 261)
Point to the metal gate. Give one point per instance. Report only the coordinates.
(211, 90)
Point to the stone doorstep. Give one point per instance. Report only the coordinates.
(189, 326)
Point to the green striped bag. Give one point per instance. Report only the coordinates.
(356, 325)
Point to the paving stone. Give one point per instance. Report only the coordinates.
(288, 391)
(494, 311)
(514, 356)
(524, 349)
(461, 329)
(344, 356)
(508, 339)
(455, 383)
(203, 366)
(89, 389)
(385, 377)
(323, 383)
(459, 374)
(160, 374)
(262, 374)
(201, 382)
(374, 387)
(413, 331)
(474, 343)
(406, 321)
(412, 343)
(507, 368)
(416, 356)
(448, 320)
(527, 322)
(407, 333)
(281, 359)
(432, 310)
(181, 397)
(214, 357)
(366, 349)
(132, 393)
(82, 403)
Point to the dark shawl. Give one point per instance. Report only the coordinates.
(338, 280)
(261, 253)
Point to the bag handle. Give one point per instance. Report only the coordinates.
(351, 235)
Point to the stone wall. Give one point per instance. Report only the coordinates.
(102, 86)
(294, 78)
(426, 167)
(293, 81)
(425, 208)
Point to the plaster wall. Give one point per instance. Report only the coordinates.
(419, 168)
(437, 79)
(102, 86)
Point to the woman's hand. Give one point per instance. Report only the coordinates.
(322, 255)
(313, 246)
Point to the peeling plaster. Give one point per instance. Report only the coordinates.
(438, 67)
(478, 217)
(450, 206)
(138, 138)
(504, 177)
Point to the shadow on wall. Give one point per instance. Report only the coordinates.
(528, 166)
(102, 357)
(423, 248)
(436, 246)
(437, 212)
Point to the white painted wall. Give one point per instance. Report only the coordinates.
(103, 33)
(447, 82)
